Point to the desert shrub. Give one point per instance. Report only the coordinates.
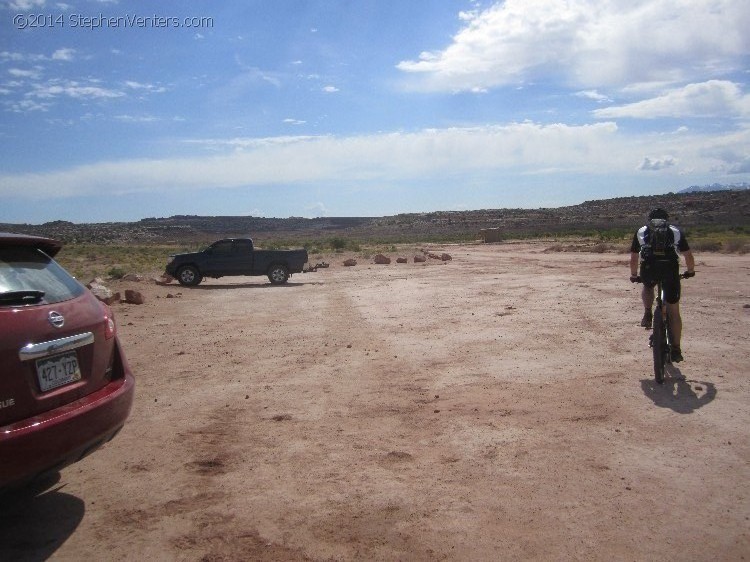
(705, 245)
(337, 243)
(737, 245)
(602, 248)
(116, 272)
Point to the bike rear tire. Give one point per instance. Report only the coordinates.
(659, 346)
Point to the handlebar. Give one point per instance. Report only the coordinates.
(685, 275)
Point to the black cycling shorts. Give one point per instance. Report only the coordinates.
(670, 273)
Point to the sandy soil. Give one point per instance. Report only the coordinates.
(499, 406)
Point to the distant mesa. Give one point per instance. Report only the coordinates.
(726, 205)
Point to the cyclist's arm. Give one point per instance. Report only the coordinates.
(689, 260)
(634, 259)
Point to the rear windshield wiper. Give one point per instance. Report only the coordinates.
(21, 297)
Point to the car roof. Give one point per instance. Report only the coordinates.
(48, 245)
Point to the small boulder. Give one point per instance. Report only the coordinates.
(350, 262)
(103, 293)
(163, 280)
(382, 260)
(134, 297)
(133, 277)
(446, 257)
(419, 259)
(402, 260)
(111, 300)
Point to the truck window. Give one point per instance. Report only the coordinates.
(222, 248)
(243, 246)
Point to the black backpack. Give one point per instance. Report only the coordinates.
(658, 254)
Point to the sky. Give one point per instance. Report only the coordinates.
(115, 110)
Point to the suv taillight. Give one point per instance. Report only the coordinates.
(110, 328)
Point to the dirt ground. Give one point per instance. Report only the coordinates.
(498, 406)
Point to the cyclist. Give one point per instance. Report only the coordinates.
(660, 237)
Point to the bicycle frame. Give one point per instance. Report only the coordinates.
(661, 337)
(660, 340)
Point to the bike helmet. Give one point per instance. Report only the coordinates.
(658, 214)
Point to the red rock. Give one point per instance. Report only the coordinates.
(134, 297)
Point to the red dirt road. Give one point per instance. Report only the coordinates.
(499, 406)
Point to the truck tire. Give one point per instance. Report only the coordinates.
(278, 274)
(189, 276)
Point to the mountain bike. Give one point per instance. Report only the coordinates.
(660, 340)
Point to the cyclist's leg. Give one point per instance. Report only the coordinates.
(647, 296)
(672, 298)
(675, 323)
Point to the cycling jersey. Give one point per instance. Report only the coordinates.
(668, 267)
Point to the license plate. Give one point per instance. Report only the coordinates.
(57, 371)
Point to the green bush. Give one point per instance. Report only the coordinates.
(116, 272)
(338, 243)
(737, 245)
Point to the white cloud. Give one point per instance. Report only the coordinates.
(26, 5)
(330, 89)
(592, 95)
(521, 148)
(63, 54)
(71, 89)
(435, 155)
(137, 118)
(740, 167)
(8, 56)
(21, 73)
(715, 98)
(133, 85)
(656, 164)
(588, 44)
(290, 121)
(27, 105)
(317, 210)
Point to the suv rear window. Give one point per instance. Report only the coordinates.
(24, 269)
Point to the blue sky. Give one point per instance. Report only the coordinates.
(121, 110)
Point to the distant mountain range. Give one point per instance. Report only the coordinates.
(707, 206)
(715, 187)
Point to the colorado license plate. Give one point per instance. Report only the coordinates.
(57, 371)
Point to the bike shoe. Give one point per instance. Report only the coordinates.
(648, 317)
(676, 355)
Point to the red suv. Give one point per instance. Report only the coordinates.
(65, 386)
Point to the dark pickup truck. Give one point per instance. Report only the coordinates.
(235, 256)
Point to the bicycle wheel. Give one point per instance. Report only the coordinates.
(659, 345)
(669, 340)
